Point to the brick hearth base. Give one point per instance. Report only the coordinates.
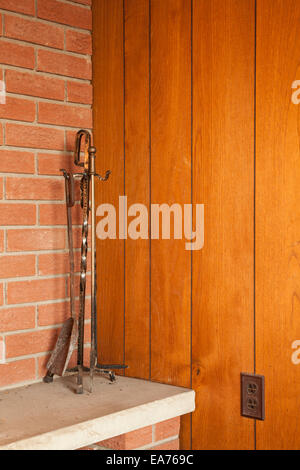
(160, 436)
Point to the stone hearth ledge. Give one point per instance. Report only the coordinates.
(52, 417)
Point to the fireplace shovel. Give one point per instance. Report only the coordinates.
(68, 337)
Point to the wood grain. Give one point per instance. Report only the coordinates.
(137, 186)
(170, 183)
(278, 220)
(109, 140)
(223, 179)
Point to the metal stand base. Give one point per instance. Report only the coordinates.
(48, 379)
(106, 369)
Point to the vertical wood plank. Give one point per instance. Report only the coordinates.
(109, 139)
(171, 183)
(137, 176)
(223, 179)
(278, 220)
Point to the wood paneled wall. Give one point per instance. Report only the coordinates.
(181, 116)
(278, 220)
(223, 178)
(109, 119)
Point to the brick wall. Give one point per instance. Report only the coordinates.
(160, 436)
(45, 62)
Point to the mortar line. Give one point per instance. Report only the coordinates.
(4, 295)
(41, 125)
(63, 251)
(4, 188)
(85, 7)
(39, 303)
(36, 277)
(41, 73)
(39, 99)
(157, 443)
(38, 47)
(4, 240)
(49, 152)
(29, 16)
(36, 166)
(3, 25)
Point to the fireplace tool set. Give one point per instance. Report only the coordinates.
(72, 332)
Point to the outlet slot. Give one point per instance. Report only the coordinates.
(253, 396)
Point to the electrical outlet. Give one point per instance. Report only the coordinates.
(253, 396)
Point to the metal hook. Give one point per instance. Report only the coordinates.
(69, 185)
(103, 178)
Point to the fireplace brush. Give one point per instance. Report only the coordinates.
(72, 332)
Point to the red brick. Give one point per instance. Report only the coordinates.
(1, 294)
(56, 214)
(64, 64)
(17, 371)
(20, 135)
(18, 109)
(130, 440)
(70, 140)
(78, 42)
(33, 84)
(21, 6)
(65, 115)
(42, 365)
(80, 92)
(87, 332)
(1, 240)
(17, 214)
(57, 313)
(36, 290)
(13, 161)
(171, 445)
(56, 263)
(1, 188)
(17, 266)
(50, 164)
(53, 314)
(30, 343)
(53, 214)
(17, 318)
(34, 31)
(1, 134)
(16, 54)
(69, 14)
(167, 428)
(36, 239)
(35, 188)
